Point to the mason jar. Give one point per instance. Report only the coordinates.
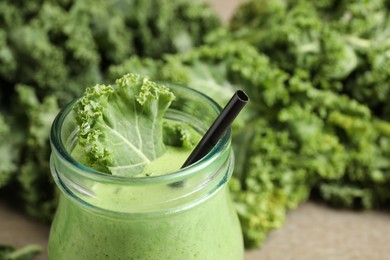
(187, 214)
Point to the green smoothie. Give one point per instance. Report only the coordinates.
(119, 173)
(206, 231)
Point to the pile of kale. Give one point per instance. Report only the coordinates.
(317, 73)
(50, 51)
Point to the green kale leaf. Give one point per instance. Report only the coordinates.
(9, 149)
(25, 253)
(34, 182)
(121, 125)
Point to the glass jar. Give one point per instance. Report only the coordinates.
(187, 214)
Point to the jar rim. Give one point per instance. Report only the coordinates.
(58, 147)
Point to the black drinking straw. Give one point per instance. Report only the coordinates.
(218, 128)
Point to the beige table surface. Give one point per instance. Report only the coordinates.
(312, 231)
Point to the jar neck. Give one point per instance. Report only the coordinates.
(146, 196)
(169, 194)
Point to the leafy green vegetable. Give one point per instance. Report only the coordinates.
(25, 253)
(33, 178)
(8, 153)
(51, 50)
(58, 47)
(367, 177)
(341, 46)
(180, 134)
(295, 37)
(121, 125)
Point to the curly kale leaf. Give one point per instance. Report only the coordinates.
(60, 47)
(36, 188)
(369, 82)
(180, 134)
(25, 253)
(164, 26)
(121, 125)
(342, 45)
(10, 145)
(365, 183)
(356, 17)
(295, 36)
(266, 181)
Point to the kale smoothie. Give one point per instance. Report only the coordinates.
(206, 231)
(116, 158)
